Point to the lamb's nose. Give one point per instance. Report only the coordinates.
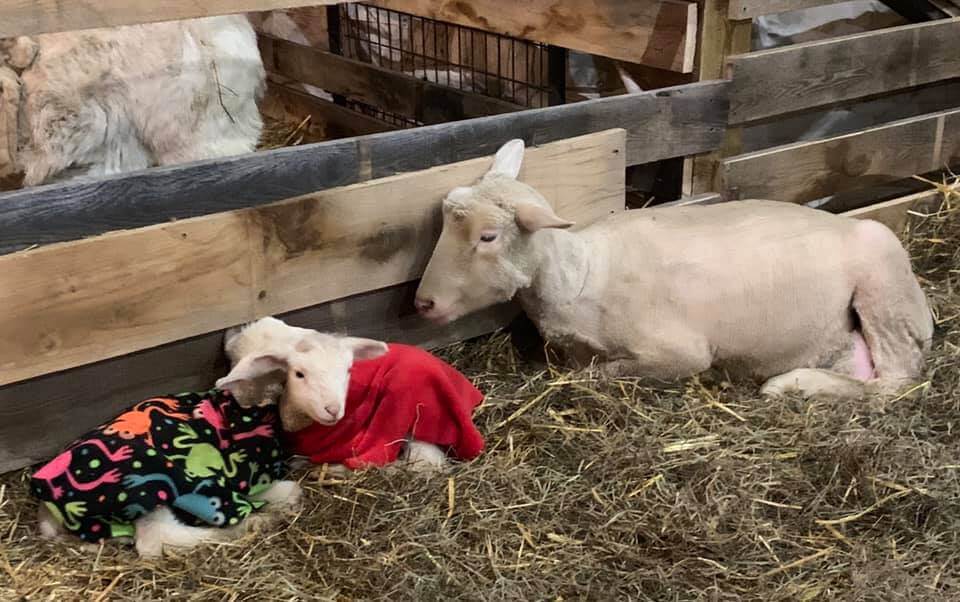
(332, 409)
(424, 305)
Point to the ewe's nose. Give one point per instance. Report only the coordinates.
(424, 304)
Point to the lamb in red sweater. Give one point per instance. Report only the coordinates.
(405, 394)
(355, 402)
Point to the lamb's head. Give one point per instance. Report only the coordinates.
(483, 256)
(313, 372)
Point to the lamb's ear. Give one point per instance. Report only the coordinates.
(365, 349)
(249, 378)
(508, 159)
(534, 216)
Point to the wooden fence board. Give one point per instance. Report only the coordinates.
(803, 76)
(658, 33)
(661, 124)
(39, 416)
(894, 213)
(76, 303)
(748, 9)
(28, 17)
(808, 171)
(387, 90)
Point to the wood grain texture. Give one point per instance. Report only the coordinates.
(748, 9)
(895, 212)
(803, 76)
(661, 124)
(38, 417)
(387, 90)
(76, 303)
(327, 120)
(807, 171)
(28, 17)
(658, 33)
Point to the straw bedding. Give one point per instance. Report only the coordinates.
(593, 490)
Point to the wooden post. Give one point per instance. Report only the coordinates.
(718, 38)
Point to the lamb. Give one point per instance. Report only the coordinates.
(368, 404)
(172, 471)
(112, 100)
(813, 303)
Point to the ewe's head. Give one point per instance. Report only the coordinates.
(482, 257)
(313, 371)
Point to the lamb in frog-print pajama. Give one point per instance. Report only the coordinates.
(200, 454)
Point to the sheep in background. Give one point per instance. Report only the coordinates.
(112, 100)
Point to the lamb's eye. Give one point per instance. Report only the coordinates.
(488, 237)
(299, 374)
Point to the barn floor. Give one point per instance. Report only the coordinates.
(591, 490)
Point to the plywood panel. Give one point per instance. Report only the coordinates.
(76, 303)
(658, 33)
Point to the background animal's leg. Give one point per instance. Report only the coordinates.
(894, 316)
(161, 528)
(424, 457)
(813, 382)
(61, 133)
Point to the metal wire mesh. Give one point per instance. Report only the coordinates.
(449, 55)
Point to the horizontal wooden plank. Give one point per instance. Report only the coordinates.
(706, 198)
(39, 416)
(76, 303)
(807, 171)
(803, 76)
(658, 33)
(329, 119)
(748, 9)
(661, 124)
(895, 212)
(387, 90)
(28, 17)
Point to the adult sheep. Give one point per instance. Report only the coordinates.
(112, 100)
(814, 302)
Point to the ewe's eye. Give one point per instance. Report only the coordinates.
(488, 237)
(299, 374)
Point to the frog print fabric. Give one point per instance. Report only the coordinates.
(201, 454)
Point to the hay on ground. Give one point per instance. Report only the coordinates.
(596, 490)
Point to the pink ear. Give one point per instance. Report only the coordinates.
(366, 349)
(534, 216)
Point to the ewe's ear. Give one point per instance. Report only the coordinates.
(247, 379)
(534, 216)
(508, 159)
(365, 349)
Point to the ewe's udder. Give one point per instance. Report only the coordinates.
(862, 361)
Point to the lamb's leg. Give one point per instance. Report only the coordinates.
(424, 457)
(161, 528)
(281, 495)
(50, 527)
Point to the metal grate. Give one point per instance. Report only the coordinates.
(518, 71)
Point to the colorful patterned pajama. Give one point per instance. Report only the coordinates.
(201, 454)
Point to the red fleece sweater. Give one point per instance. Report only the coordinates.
(405, 393)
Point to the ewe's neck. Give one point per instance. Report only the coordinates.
(560, 264)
